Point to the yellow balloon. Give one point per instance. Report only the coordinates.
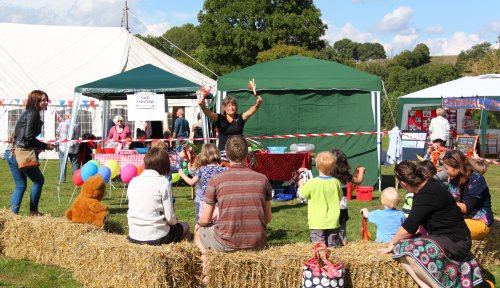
(114, 167)
(175, 177)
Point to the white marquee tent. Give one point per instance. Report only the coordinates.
(56, 59)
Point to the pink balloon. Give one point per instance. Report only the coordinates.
(128, 172)
(77, 178)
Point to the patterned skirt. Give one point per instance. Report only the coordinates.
(431, 257)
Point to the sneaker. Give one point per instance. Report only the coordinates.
(36, 213)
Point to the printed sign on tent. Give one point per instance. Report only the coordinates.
(146, 106)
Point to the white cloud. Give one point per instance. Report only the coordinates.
(400, 42)
(157, 29)
(452, 46)
(333, 34)
(434, 30)
(395, 21)
(64, 12)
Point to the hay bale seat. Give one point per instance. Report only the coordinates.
(101, 259)
(98, 258)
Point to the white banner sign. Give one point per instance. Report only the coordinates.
(146, 106)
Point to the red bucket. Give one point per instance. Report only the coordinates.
(364, 193)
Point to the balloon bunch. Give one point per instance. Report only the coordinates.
(109, 171)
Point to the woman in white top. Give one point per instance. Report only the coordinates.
(439, 127)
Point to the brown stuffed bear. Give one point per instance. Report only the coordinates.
(86, 208)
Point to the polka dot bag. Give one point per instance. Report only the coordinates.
(320, 272)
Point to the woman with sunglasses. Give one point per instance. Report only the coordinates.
(442, 258)
(471, 192)
(119, 131)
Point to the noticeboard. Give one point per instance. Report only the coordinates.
(466, 143)
(413, 143)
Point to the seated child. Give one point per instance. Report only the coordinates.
(387, 220)
(151, 217)
(323, 195)
(141, 135)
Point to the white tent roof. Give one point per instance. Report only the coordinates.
(484, 85)
(56, 59)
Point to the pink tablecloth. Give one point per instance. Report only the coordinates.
(281, 166)
(136, 159)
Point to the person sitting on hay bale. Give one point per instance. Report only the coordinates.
(323, 195)
(389, 219)
(87, 208)
(244, 198)
(442, 258)
(151, 217)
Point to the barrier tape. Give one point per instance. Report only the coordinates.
(212, 138)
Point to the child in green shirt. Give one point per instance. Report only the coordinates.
(323, 195)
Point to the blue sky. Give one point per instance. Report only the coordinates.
(446, 26)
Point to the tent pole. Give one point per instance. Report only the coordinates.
(378, 121)
(105, 117)
(74, 115)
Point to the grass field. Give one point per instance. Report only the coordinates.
(289, 222)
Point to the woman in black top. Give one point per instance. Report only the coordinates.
(229, 123)
(442, 258)
(28, 127)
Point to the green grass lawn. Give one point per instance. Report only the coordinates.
(289, 222)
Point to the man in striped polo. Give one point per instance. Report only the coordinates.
(243, 197)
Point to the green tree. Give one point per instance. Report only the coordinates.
(234, 32)
(488, 64)
(467, 57)
(412, 59)
(346, 49)
(186, 37)
(370, 51)
(282, 51)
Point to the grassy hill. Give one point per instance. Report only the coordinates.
(450, 59)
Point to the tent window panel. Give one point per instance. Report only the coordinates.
(13, 116)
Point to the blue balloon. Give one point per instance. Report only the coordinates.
(88, 170)
(105, 172)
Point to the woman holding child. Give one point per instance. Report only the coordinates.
(471, 192)
(442, 258)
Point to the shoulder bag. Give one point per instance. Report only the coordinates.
(25, 157)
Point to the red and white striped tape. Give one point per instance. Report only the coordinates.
(249, 137)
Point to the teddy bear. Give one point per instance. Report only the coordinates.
(87, 207)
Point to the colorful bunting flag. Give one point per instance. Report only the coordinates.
(92, 103)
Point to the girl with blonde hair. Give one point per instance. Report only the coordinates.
(206, 165)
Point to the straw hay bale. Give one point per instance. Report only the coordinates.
(111, 261)
(487, 251)
(45, 240)
(281, 266)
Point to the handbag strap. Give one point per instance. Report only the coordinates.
(13, 148)
(328, 268)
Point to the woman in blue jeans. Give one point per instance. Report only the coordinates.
(28, 127)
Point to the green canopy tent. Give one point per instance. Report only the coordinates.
(146, 78)
(305, 95)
